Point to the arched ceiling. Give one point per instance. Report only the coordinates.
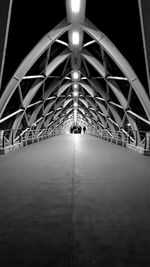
(44, 92)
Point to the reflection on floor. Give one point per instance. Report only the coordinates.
(76, 201)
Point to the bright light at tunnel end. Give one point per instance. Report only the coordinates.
(75, 93)
(75, 75)
(75, 38)
(75, 86)
(75, 104)
(75, 5)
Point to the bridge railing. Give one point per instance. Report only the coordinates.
(139, 139)
(22, 137)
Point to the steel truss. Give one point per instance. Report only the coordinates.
(102, 102)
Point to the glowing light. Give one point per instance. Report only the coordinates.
(75, 75)
(75, 38)
(75, 86)
(75, 93)
(75, 104)
(75, 6)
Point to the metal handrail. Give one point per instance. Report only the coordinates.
(12, 137)
(122, 137)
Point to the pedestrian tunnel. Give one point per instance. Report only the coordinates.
(75, 77)
(72, 193)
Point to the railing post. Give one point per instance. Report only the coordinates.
(26, 138)
(147, 138)
(128, 137)
(3, 139)
(136, 138)
(20, 139)
(111, 137)
(32, 136)
(123, 140)
(145, 142)
(37, 135)
(12, 137)
(116, 136)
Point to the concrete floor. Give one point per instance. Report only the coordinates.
(74, 201)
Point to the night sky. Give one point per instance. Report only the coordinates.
(32, 19)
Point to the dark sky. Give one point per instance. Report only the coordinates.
(4, 7)
(146, 12)
(119, 20)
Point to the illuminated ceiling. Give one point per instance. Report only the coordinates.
(75, 75)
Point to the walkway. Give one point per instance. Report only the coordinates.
(74, 201)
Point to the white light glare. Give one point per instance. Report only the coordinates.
(75, 86)
(75, 104)
(75, 75)
(75, 5)
(75, 38)
(75, 93)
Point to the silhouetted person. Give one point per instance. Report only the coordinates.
(84, 129)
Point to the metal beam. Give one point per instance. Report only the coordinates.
(5, 15)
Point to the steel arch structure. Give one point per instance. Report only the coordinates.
(40, 93)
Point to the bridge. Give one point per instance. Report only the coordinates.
(74, 153)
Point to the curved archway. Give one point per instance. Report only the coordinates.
(44, 86)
